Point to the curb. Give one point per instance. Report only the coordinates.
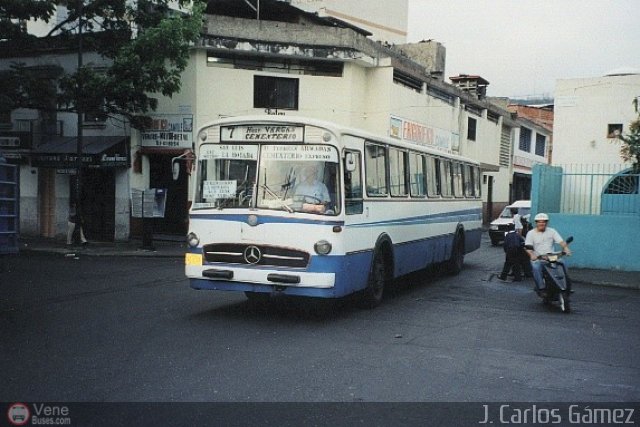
(634, 286)
(70, 253)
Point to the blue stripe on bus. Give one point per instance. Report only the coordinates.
(264, 219)
(458, 216)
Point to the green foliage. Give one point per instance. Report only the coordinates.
(146, 43)
(630, 150)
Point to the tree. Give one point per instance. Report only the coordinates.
(630, 150)
(146, 42)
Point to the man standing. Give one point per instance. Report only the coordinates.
(540, 242)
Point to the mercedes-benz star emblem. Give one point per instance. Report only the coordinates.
(252, 255)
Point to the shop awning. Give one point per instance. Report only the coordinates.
(97, 152)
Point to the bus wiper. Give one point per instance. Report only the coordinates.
(275, 196)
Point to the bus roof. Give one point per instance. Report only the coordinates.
(336, 129)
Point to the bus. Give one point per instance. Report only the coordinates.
(304, 207)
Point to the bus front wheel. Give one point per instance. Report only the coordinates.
(373, 293)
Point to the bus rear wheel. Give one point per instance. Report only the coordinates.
(456, 262)
(374, 292)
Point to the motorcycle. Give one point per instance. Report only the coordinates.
(557, 283)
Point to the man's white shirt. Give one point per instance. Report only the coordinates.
(542, 242)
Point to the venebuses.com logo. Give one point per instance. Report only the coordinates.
(18, 414)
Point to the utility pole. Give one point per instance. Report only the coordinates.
(79, 110)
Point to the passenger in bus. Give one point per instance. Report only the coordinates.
(311, 191)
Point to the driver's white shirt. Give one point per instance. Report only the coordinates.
(316, 190)
(542, 242)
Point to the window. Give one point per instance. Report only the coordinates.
(5, 118)
(457, 179)
(95, 117)
(541, 142)
(468, 181)
(376, 170)
(471, 128)
(614, 130)
(406, 80)
(284, 66)
(398, 172)
(275, 92)
(433, 176)
(525, 139)
(353, 186)
(445, 178)
(441, 95)
(417, 175)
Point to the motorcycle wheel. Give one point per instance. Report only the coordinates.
(565, 306)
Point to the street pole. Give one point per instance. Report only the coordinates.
(78, 186)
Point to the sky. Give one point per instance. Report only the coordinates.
(523, 46)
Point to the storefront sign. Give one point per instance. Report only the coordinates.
(169, 131)
(227, 151)
(66, 161)
(260, 133)
(15, 140)
(420, 134)
(300, 153)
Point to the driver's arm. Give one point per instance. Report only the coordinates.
(529, 242)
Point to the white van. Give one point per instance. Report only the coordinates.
(504, 222)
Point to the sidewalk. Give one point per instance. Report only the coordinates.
(132, 248)
(619, 279)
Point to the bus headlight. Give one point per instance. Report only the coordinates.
(322, 247)
(193, 240)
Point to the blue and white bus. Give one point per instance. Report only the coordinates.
(304, 207)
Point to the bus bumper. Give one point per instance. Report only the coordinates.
(290, 282)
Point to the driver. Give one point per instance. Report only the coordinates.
(541, 239)
(311, 191)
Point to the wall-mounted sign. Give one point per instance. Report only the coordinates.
(417, 133)
(262, 133)
(15, 140)
(169, 131)
(148, 203)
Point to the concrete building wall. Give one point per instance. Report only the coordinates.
(583, 110)
(388, 20)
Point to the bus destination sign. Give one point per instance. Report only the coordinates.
(262, 133)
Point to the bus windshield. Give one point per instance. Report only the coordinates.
(293, 178)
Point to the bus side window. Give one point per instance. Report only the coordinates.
(445, 178)
(398, 175)
(476, 181)
(417, 175)
(468, 181)
(433, 177)
(353, 186)
(457, 180)
(376, 170)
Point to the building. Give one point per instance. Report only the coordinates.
(589, 191)
(590, 113)
(386, 21)
(288, 62)
(44, 144)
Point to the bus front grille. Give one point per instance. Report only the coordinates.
(263, 255)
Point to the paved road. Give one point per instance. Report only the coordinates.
(130, 329)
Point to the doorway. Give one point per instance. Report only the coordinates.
(176, 213)
(98, 203)
(47, 201)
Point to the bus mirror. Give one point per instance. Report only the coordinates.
(350, 162)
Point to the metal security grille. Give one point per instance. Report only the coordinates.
(241, 253)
